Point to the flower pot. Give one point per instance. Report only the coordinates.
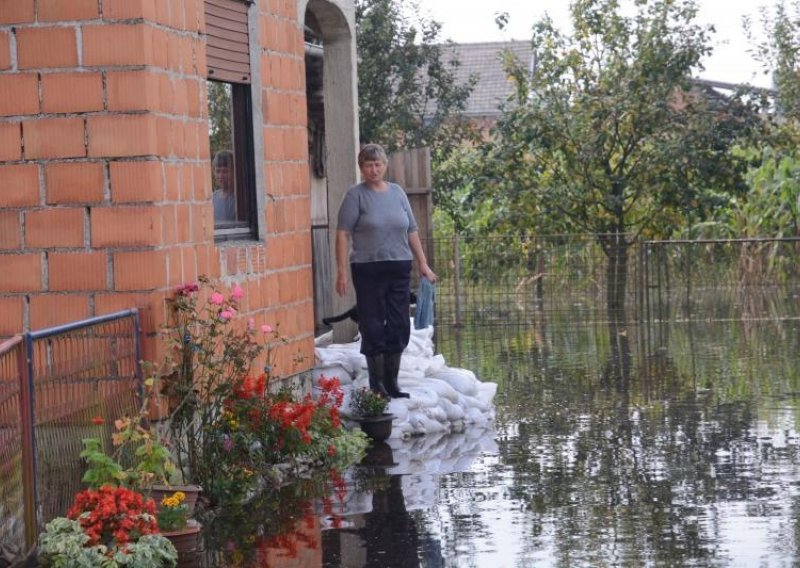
(186, 541)
(378, 428)
(192, 492)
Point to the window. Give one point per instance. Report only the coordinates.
(230, 113)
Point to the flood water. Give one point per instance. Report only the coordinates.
(676, 444)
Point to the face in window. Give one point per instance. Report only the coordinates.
(223, 177)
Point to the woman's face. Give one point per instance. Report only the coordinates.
(373, 170)
(223, 177)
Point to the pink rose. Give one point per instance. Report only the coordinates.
(226, 314)
(266, 328)
(217, 299)
(237, 293)
(251, 324)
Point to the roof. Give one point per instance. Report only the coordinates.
(485, 61)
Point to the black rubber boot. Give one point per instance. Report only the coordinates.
(376, 368)
(391, 370)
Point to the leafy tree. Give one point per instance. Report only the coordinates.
(407, 92)
(607, 136)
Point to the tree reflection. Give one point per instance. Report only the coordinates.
(630, 461)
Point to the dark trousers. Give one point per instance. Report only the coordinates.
(382, 296)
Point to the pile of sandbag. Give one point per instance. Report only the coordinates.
(443, 399)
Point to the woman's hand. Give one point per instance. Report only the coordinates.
(428, 273)
(341, 283)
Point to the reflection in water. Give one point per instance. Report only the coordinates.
(674, 445)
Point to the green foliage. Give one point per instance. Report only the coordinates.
(606, 135)
(151, 459)
(220, 104)
(63, 545)
(366, 402)
(407, 94)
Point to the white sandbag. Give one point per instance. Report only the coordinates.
(442, 389)
(462, 380)
(422, 395)
(453, 412)
(436, 413)
(398, 407)
(486, 392)
(332, 372)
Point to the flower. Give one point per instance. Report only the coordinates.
(266, 328)
(366, 402)
(113, 515)
(173, 514)
(237, 293)
(226, 314)
(98, 420)
(217, 299)
(186, 289)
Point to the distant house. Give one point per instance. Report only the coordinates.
(485, 62)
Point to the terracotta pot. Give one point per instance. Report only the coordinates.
(187, 542)
(378, 428)
(192, 492)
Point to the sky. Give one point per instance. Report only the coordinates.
(473, 21)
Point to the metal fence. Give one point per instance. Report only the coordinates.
(514, 280)
(53, 382)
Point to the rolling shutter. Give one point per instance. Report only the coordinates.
(228, 48)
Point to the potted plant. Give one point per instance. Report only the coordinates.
(369, 410)
(110, 527)
(175, 523)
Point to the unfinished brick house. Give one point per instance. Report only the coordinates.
(111, 112)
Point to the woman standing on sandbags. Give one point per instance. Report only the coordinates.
(376, 218)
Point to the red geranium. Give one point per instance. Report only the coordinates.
(113, 515)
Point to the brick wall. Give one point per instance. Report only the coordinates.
(105, 200)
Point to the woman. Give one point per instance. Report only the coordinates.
(224, 197)
(376, 218)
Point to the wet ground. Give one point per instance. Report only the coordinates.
(670, 444)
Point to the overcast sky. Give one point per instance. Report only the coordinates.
(473, 21)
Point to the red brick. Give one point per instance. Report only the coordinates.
(54, 227)
(129, 9)
(20, 185)
(10, 141)
(5, 51)
(145, 270)
(42, 48)
(73, 271)
(9, 230)
(48, 310)
(126, 226)
(21, 272)
(59, 10)
(19, 94)
(54, 138)
(16, 12)
(132, 90)
(151, 306)
(11, 315)
(74, 182)
(137, 181)
(117, 44)
(72, 92)
(122, 135)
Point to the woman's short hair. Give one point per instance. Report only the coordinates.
(222, 159)
(372, 153)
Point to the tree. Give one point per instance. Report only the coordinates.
(407, 92)
(607, 135)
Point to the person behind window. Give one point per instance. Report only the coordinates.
(376, 216)
(224, 196)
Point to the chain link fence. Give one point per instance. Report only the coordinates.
(510, 281)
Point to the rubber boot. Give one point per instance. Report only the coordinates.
(376, 368)
(391, 370)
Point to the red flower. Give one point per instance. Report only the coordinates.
(98, 420)
(113, 515)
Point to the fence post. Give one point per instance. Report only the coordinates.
(27, 416)
(457, 278)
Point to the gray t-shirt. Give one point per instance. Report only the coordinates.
(379, 222)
